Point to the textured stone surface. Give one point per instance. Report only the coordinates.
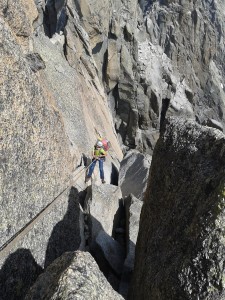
(20, 15)
(35, 61)
(102, 205)
(133, 174)
(113, 65)
(18, 274)
(176, 26)
(46, 125)
(168, 64)
(61, 229)
(48, 120)
(176, 81)
(133, 208)
(180, 248)
(111, 250)
(34, 165)
(73, 276)
(82, 106)
(133, 211)
(153, 58)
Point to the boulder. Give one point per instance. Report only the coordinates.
(75, 275)
(133, 174)
(133, 208)
(35, 62)
(180, 248)
(102, 205)
(111, 250)
(126, 62)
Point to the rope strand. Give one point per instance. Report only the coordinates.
(7, 243)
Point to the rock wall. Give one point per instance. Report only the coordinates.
(51, 113)
(73, 69)
(157, 58)
(191, 35)
(34, 165)
(151, 59)
(180, 247)
(133, 174)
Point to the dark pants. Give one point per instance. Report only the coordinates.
(91, 169)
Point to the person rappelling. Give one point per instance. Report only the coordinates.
(99, 155)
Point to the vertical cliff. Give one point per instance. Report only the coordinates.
(157, 58)
(180, 248)
(71, 69)
(51, 113)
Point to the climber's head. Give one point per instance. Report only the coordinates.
(99, 144)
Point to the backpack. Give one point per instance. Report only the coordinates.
(105, 142)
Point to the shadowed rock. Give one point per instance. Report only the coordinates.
(214, 124)
(101, 205)
(112, 251)
(18, 274)
(75, 275)
(35, 62)
(180, 248)
(133, 175)
(68, 234)
(133, 210)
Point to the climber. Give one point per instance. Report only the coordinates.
(98, 154)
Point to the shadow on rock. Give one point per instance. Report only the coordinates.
(119, 221)
(66, 235)
(127, 272)
(18, 274)
(109, 255)
(48, 283)
(114, 175)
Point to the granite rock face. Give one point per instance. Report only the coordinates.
(20, 16)
(155, 59)
(51, 114)
(58, 229)
(34, 165)
(101, 205)
(73, 276)
(71, 70)
(180, 248)
(133, 174)
(16, 277)
(191, 34)
(111, 250)
(45, 124)
(133, 208)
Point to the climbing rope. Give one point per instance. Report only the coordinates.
(25, 229)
